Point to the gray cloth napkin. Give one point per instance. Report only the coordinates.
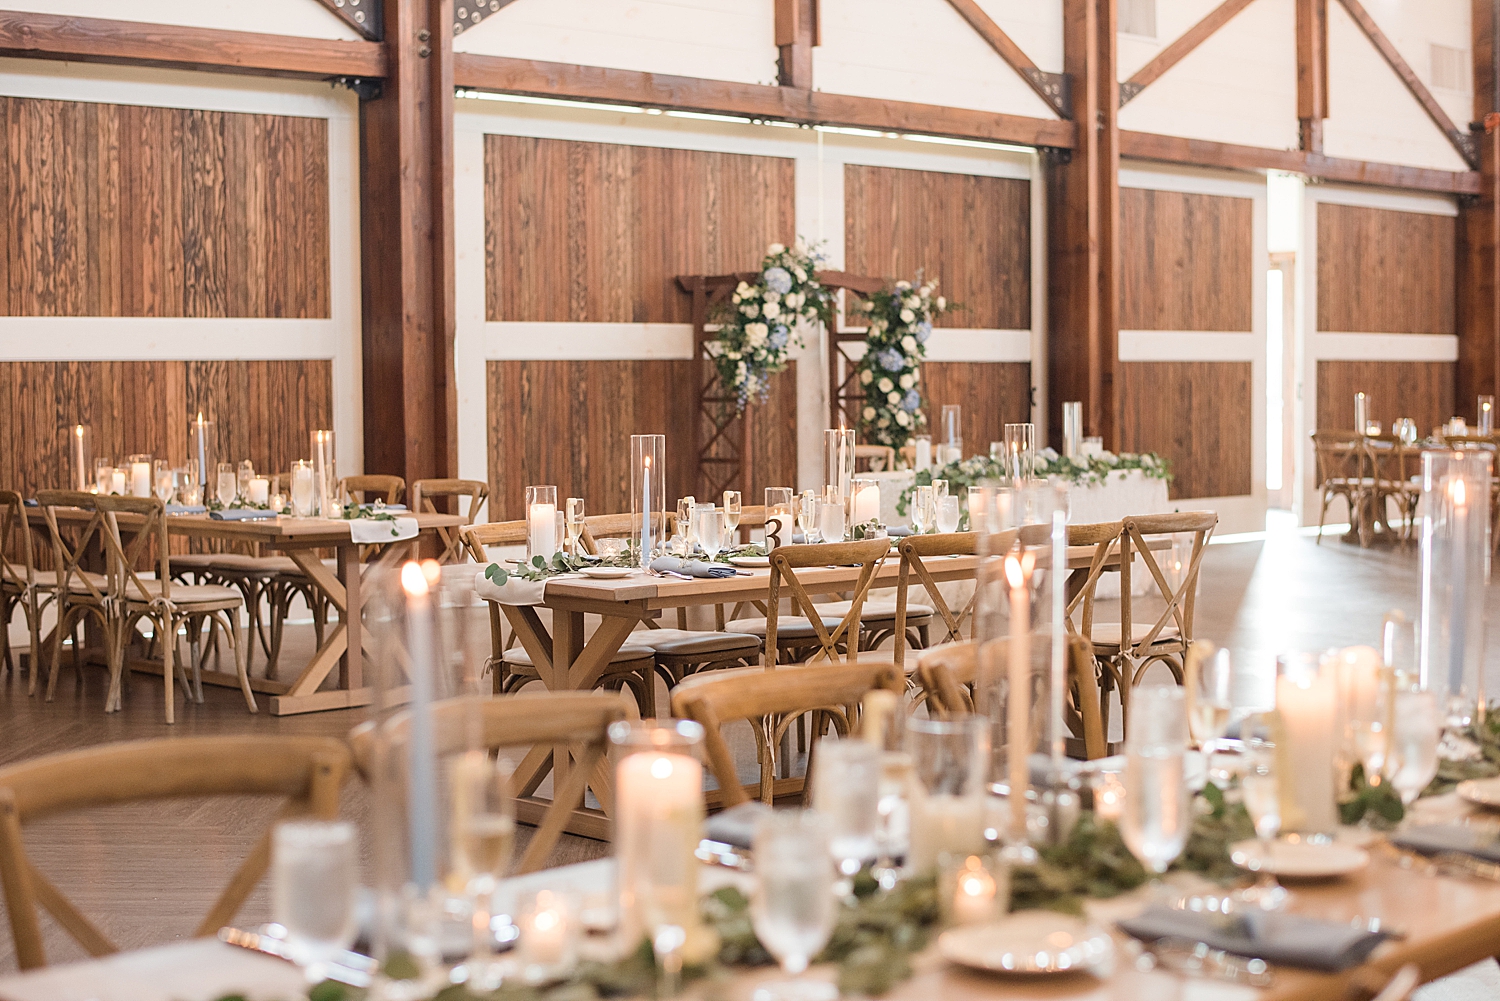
(736, 825)
(897, 531)
(1288, 939)
(692, 568)
(185, 509)
(1433, 839)
(241, 514)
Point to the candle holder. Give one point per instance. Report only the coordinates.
(953, 433)
(922, 448)
(1072, 418)
(648, 495)
(658, 824)
(1020, 453)
(104, 475)
(973, 889)
(549, 933)
(325, 475)
(838, 459)
(139, 468)
(864, 501)
(79, 442)
(202, 449)
(1486, 421)
(1455, 568)
(541, 523)
(1308, 714)
(950, 762)
(781, 515)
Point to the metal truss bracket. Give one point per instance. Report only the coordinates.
(1128, 90)
(364, 16)
(1055, 86)
(1467, 146)
(467, 13)
(364, 88)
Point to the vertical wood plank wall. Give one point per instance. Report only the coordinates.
(595, 233)
(1382, 271)
(972, 234)
(1186, 266)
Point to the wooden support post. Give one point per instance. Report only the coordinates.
(406, 223)
(1312, 72)
(1082, 215)
(1478, 257)
(796, 34)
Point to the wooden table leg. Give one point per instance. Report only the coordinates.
(351, 667)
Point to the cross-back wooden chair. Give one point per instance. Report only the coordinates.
(363, 488)
(156, 600)
(885, 455)
(608, 526)
(1341, 461)
(1393, 467)
(770, 701)
(308, 771)
(914, 550)
(947, 675)
(22, 585)
(422, 494)
(82, 595)
(1129, 649)
(542, 719)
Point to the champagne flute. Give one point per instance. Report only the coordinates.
(809, 509)
(1262, 797)
(1158, 812)
(685, 507)
(1210, 701)
(947, 513)
(708, 527)
(484, 832)
(227, 485)
(732, 506)
(314, 882)
(793, 904)
(243, 476)
(1412, 758)
(161, 477)
(922, 515)
(573, 507)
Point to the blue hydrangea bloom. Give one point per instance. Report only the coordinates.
(778, 280)
(912, 401)
(924, 331)
(892, 360)
(779, 338)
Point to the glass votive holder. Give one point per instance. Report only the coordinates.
(549, 933)
(104, 474)
(190, 494)
(973, 889)
(541, 522)
(139, 470)
(1108, 790)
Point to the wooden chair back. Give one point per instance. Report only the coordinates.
(124, 579)
(771, 700)
(869, 554)
(1179, 598)
(392, 487)
(612, 526)
(1083, 585)
(308, 771)
(914, 549)
(947, 676)
(1339, 457)
(546, 719)
(884, 454)
(67, 558)
(494, 533)
(422, 493)
(17, 560)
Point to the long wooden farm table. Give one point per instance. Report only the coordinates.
(300, 538)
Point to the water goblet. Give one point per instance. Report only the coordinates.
(831, 516)
(793, 904)
(1157, 815)
(922, 513)
(227, 485)
(161, 479)
(1412, 753)
(314, 882)
(947, 513)
(709, 529)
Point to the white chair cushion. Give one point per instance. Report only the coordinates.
(787, 626)
(185, 594)
(1108, 633)
(48, 579)
(876, 610)
(684, 642)
(240, 563)
(517, 656)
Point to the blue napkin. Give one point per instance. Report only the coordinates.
(31, 502)
(1289, 939)
(1433, 839)
(185, 509)
(242, 514)
(692, 568)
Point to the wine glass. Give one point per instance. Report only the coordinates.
(831, 516)
(314, 882)
(846, 790)
(162, 477)
(1262, 794)
(709, 530)
(922, 513)
(1157, 815)
(484, 826)
(227, 485)
(573, 510)
(1211, 698)
(685, 507)
(732, 506)
(809, 510)
(793, 904)
(1411, 756)
(947, 513)
(243, 475)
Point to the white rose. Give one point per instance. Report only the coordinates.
(752, 310)
(903, 286)
(893, 398)
(909, 343)
(776, 248)
(942, 304)
(868, 307)
(865, 376)
(907, 316)
(756, 333)
(924, 291)
(735, 298)
(795, 300)
(742, 289)
(902, 418)
(733, 355)
(885, 385)
(885, 422)
(906, 381)
(771, 295)
(801, 275)
(772, 310)
(913, 302)
(869, 413)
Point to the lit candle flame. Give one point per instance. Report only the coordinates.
(1018, 568)
(78, 430)
(1457, 492)
(413, 580)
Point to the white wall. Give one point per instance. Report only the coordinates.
(820, 157)
(90, 338)
(306, 18)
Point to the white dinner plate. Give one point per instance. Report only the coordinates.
(750, 561)
(1300, 859)
(607, 573)
(1481, 792)
(1028, 942)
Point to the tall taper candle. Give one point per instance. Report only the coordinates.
(422, 802)
(1018, 697)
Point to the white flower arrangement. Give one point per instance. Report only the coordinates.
(758, 326)
(899, 324)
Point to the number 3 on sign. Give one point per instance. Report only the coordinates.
(774, 527)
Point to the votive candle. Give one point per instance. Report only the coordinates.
(260, 490)
(1308, 704)
(140, 477)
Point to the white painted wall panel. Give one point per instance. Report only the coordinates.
(306, 18)
(717, 39)
(923, 51)
(1238, 86)
(1371, 114)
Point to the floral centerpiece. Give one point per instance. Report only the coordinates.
(1083, 470)
(758, 326)
(890, 373)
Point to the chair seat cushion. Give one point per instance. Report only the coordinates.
(47, 580)
(788, 627)
(877, 611)
(517, 657)
(693, 680)
(240, 563)
(1108, 633)
(685, 642)
(186, 594)
(195, 561)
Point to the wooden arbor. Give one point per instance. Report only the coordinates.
(722, 433)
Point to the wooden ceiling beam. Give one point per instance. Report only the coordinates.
(97, 40)
(1050, 87)
(1174, 53)
(1202, 153)
(502, 74)
(1461, 140)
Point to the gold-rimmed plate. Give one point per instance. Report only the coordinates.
(1028, 942)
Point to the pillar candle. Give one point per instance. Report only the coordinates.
(1018, 699)
(1309, 711)
(140, 479)
(945, 824)
(867, 505)
(541, 530)
(117, 481)
(260, 490)
(924, 452)
(658, 823)
(80, 460)
(200, 447)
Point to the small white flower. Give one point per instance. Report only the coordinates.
(751, 310)
(902, 418)
(756, 333)
(869, 413)
(893, 398)
(868, 307)
(906, 381)
(924, 291)
(942, 304)
(884, 422)
(902, 286)
(776, 248)
(909, 343)
(772, 310)
(735, 298)
(885, 385)
(865, 376)
(733, 356)
(801, 275)
(912, 302)
(742, 289)
(907, 316)
(795, 300)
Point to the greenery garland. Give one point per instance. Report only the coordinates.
(758, 326)
(1085, 470)
(890, 373)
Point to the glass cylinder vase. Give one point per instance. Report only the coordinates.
(202, 447)
(1020, 454)
(1361, 412)
(541, 522)
(80, 446)
(648, 495)
(325, 475)
(1486, 416)
(953, 433)
(1072, 419)
(1455, 569)
(838, 459)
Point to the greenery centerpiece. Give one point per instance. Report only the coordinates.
(890, 373)
(1083, 470)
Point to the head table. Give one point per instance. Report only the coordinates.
(1448, 923)
(300, 539)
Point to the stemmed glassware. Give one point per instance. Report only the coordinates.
(1412, 753)
(923, 514)
(1158, 812)
(243, 475)
(708, 527)
(846, 790)
(1262, 794)
(947, 513)
(484, 832)
(227, 485)
(573, 509)
(1212, 699)
(161, 480)
(314, 883)
(685, 507)
(732, 508)
(793, 905)
(809, 508)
